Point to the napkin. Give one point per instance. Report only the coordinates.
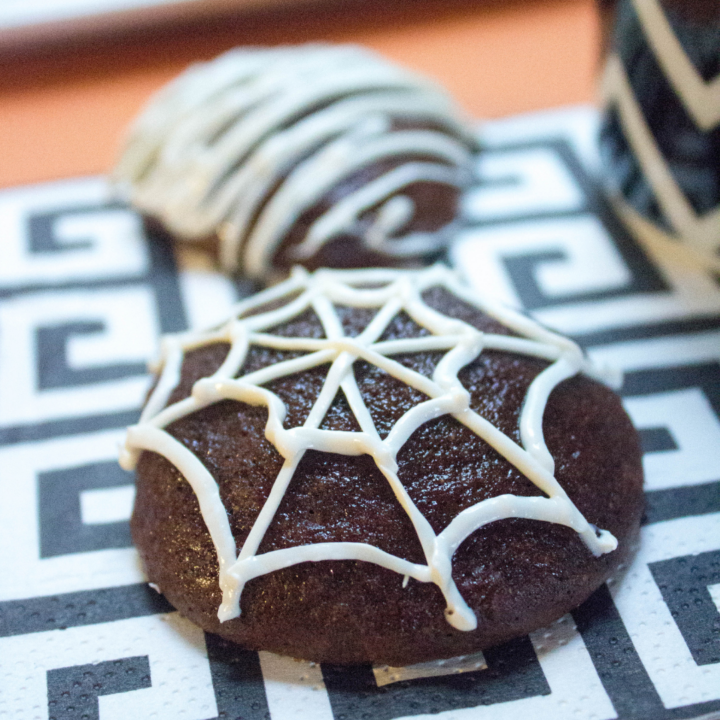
(85, 295)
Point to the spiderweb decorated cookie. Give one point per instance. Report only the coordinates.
(316, 155)
(378, 465)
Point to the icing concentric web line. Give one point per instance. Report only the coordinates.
(391, 292)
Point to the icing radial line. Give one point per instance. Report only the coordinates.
(391, 292)
(242, 146)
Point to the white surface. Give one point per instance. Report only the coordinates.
(691, 421)
(576, 690)
(662, 649)
(23, 572)
(207, 297)
(386, 674)
(106, 505)
(295, 689)
(110, 242)
(589, 259)
(539, 183)
(15, 13)
(129, 335)
(181, 684)
(36, 22)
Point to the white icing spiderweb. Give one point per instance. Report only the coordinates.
(390, 292)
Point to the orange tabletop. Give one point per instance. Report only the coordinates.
(63, 108)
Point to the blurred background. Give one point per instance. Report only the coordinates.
(73, 73)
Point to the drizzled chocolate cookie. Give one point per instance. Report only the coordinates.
(379, 466)
(314, 155)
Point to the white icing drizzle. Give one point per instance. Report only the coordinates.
(390, 292)
(245, 144)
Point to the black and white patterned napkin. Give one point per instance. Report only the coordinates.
(84, 295)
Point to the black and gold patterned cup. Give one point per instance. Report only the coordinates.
(660, 138)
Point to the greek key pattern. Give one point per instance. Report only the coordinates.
(84, 294)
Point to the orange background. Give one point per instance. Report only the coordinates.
(63, 108)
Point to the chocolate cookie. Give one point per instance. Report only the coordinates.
(315, 155)
(379, 466)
